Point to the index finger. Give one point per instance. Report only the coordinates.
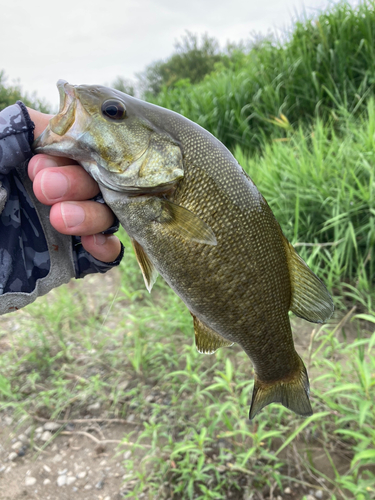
(42, 161)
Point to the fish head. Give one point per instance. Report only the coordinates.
(110, 135)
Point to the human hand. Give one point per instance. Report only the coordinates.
(68, 188)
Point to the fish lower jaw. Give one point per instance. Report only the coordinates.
(53, 150)
(55, 145)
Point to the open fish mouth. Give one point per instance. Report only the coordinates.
(63, 121)
(59, 138)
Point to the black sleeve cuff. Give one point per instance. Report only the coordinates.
(30, 124)
(85, 263)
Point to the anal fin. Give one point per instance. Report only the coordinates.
(147, 267)
(310, 298)
(293, 393)
(206, 339)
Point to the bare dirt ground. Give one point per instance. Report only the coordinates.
(72, 467)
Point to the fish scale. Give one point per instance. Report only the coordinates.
(196, 218)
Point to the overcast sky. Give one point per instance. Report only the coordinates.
(94, 41)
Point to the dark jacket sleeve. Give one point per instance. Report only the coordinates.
(26, 240)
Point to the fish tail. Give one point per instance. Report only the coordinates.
(293, 393)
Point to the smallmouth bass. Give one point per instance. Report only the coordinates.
(196, 218)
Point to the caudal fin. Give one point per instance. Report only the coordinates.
(292, 393)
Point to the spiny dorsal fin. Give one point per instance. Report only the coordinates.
(147, 267)
(310, 298)
(188, 225)
(206, 339)
(293, 393)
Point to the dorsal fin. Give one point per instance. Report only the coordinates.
(147, 267)
(310, 297)
(206, 339)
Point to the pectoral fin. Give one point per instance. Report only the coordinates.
(185, 223)
(147, 267)
(310, 298)
(206, 339)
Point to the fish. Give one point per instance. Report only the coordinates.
(196, 218)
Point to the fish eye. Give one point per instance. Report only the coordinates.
(115, 110)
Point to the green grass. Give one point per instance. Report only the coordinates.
(324, 64)
(134, 352)
(320, 184)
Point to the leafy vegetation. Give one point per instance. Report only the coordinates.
(325, 64)
(192, 60)
(319, 182)
(124, 85)
(9, 94)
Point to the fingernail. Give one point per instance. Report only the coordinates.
(72, 214)
(43, 163)
(100, 239)
(53, 185)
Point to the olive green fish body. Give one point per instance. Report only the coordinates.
(199, 221)
(232, 286)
